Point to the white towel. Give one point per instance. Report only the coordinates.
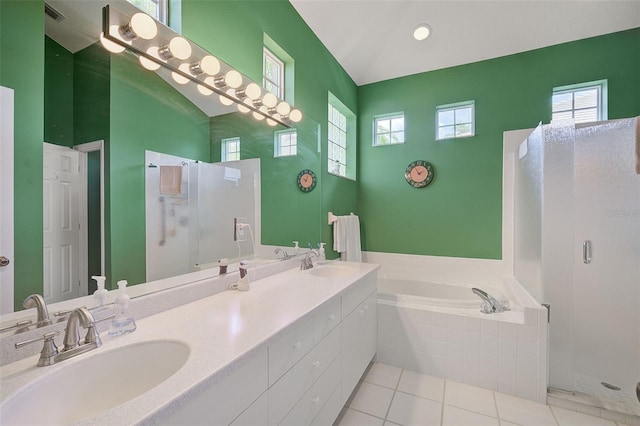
(170, 180)
(346, 238)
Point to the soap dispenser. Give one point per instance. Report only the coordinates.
(123, 322)
(101, 293)
(296, 247)
(322, 257)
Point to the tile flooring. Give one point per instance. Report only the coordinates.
(389, 396)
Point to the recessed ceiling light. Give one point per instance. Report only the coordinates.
(421, 32)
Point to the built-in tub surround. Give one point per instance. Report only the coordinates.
(229, 335)
(451, 338)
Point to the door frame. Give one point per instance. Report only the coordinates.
(6, 197)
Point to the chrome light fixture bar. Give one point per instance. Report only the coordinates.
(159, 46)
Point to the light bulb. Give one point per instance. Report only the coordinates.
(148, 63)
(283, 108)
(204, 90)
(421, 32)
(210, 65)
(177, 48)
(179, 78)
(258, 116)
(269, 100)
(271, 122)
(110, 45)
(226, 101)
(253, 91)
(295, 115)
(233, 79)
(143, 26)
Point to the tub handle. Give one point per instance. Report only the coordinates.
(586, 252)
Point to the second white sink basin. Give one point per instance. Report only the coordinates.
(95, 384)
(332, 271)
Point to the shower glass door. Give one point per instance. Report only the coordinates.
(606, 289)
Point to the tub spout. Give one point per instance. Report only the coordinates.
(490, 304)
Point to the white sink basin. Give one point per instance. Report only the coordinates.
(86, 388)
(332, 271)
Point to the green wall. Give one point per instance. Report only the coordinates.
(58, 95)
(22, 69)
(459, 214)
(215, 25)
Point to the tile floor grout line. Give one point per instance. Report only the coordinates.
(444, 393)
(553, 415)
(495, 405)
(386, 415)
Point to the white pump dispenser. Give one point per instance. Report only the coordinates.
(101, 293)
(322, 257)
(123, 323)
(296, 247)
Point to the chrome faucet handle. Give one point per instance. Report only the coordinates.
(92, 335)
(49, 349)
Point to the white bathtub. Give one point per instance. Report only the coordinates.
(438, 329)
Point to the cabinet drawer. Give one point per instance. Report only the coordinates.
(330, 410)
(289, 348)
(255, 414)
(358, 292)
(326, 319)
(286, 391)
(315, 398)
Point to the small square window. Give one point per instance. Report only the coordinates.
(584, 102)
(388, 130)
(455, 120)
(286, 143)
(230, 149)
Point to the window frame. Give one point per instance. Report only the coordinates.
(162, 9)
(455, 107)
(224, 152)
(337, 127)
(280, 84)
(277, 147)
(390, 117)
(601, 106)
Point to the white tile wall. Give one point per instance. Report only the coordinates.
(504, 356)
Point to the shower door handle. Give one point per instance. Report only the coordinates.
(586, 251)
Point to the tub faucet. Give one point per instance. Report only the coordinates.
(306, 262)
(490, 304)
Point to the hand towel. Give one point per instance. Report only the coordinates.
(346, 238)
(170, 180)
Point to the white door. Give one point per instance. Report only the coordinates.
(6, 200)
(61, 223)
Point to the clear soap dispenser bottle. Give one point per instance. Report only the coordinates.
(123, 322)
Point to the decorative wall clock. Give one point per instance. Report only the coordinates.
(306, 180)
(419, 173)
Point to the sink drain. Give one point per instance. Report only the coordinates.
(610, 386)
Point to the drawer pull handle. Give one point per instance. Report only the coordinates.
(297, 345)
(316, 363)
(332, 317)
(316, 400)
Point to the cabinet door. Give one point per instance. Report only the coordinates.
(359, 342)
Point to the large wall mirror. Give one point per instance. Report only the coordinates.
(123, 110)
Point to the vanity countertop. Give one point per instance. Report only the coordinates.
(219, 330)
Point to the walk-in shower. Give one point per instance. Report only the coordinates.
(577, 248)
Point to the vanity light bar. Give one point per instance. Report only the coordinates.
(159, 46)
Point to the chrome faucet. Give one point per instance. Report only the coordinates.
(37, 301)
(72, 344)
(490, 304)
(284, 252)
(306, 262)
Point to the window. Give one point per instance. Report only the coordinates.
(273, 73)
(388, 130)
(155, 8)
(286, 143)
(337, 146)
(230, 149)
(455, 120)
(583, 102)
